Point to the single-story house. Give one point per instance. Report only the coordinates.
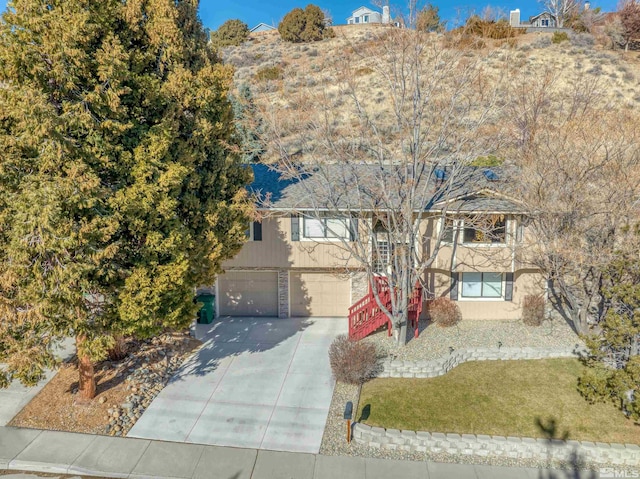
(293, 263)
(366, 15)
(543, 20)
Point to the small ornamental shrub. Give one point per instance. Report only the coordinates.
(559, 37)
(353, 362)
(533, 310)
(444, 312)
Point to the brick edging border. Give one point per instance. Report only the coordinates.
(392, 368)
(497, 446)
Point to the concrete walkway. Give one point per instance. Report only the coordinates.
(69, 453)
(17, 396)
(256, 383)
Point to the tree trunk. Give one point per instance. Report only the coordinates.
(119, 350)
(87, 378)
(401, 320)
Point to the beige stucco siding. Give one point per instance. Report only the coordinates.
(525, 282)
(248, 294)
(319, 294)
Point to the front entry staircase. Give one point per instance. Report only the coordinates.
(366, 316)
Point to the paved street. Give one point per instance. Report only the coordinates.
(256, 383)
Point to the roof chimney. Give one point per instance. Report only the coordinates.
(514, 18)
(386, 18)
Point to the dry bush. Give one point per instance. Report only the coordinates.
(559, 37)
(496, 30)
(444, 312)
(533, 310)
(353, 362)
(269, 73)
(542, 42)
(584, 40)
(463, 41)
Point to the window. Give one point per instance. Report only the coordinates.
(482, 285)
(365, 19)
(381, 256)
(448, 230)
(254, 231)
(485, 230)
(545, 22)
(315, 228)
(357, 19)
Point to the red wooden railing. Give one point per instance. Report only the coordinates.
(365, 316)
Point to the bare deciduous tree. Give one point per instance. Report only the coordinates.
(580, 179)
(561, 9)
(629, 15)
(379, 159)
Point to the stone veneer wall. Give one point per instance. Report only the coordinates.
(482, 445)
(359, 286)
(437, 367)
(497, 446)
(283, 293)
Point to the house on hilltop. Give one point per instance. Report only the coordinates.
(262, 27)
(366, 15)
(541, 20)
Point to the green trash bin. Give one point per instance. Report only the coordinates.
(208, 310)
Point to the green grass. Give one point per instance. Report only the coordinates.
(505, 398)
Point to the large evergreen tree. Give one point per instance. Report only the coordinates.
(120, 183)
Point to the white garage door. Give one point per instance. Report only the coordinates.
(319, 294)
(248, 294)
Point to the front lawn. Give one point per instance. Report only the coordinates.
(504, 398)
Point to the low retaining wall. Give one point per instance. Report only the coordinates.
(438, 367)
(497, 446)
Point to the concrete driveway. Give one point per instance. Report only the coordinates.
(256, 383)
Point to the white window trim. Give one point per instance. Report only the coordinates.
(507, 237)
(250, 237)
(303, 237)
(457, 226)
(484, 300)
(458, 234)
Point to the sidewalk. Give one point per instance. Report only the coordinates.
(63, 452)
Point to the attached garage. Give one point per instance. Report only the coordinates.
(319, 294)
(248, 293)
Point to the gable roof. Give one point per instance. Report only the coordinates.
(354, 187)
(364, 10)
(535, 17)
(262, 27)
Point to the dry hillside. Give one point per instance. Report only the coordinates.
(295, 84)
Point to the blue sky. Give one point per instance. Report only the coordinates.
(252, 12)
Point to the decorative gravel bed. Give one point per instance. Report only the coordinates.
(434, 341)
